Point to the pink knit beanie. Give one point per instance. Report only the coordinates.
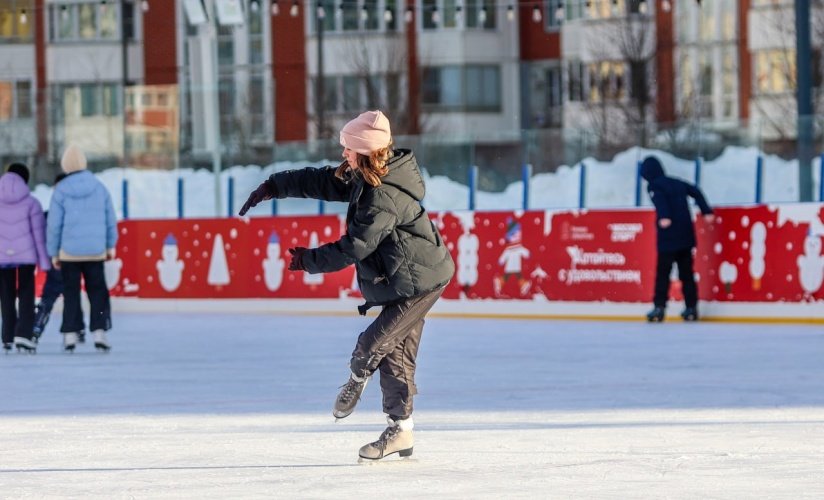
(366, 133)
(73, 160)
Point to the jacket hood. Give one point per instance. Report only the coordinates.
(78, 184)
(651, 169)
(12, 188)
(405, 175)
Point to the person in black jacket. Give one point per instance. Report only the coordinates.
(675, 236)
(401, 262)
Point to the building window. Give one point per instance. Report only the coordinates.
(606, 81)
(464, 88)
(482, 14)
(575, 81)
(345, 94)
(552, 21)
(707, 51)
(774, 70)
(573, 9)
(85, 100)
(545, 96)
(351, 93)
(225, 46)
(605, 9)
(356, 15)
(458, 14)
(89, 20)
(15, 100)
(16, 18)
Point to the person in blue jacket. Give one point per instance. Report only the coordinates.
(81, 233)
(675, 236)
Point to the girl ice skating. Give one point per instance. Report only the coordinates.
(401, 261)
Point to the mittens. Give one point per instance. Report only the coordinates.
(296, 263)
(266, 191)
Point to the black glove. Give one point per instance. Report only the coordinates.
(297, 259)
(266, 191)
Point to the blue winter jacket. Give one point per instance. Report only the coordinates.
(81, 220)
(669, 195)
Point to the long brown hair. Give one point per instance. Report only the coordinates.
(371, 167)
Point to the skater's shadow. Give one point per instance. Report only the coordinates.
(170, 468)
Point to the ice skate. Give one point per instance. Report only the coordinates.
(656, 315)
(690, 314)
(69, 341)
(7, 347)
(349, 396)
(397, 438)
(81, 337)
(25, 345)
(41, 318)
(100, 341)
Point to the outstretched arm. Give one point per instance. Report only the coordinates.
(317, 183)
(698, 196)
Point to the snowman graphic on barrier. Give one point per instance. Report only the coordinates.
(273, 264)
(170, 268)
(811, 265)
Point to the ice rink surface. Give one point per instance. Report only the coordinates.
(215, 406)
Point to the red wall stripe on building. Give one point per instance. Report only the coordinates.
(289, 75)
(536, 42)
(744, 61)
(664, 67)
(160, 44)
(42, 83)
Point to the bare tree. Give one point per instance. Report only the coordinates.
(620, 77)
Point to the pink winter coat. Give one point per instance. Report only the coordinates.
(22, 225)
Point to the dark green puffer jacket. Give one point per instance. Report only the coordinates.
(396, 249)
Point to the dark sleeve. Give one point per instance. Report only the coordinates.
(698, 196)
(315, 183)
(371, 224)
(658, 195)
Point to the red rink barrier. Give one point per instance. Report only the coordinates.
(530, 261)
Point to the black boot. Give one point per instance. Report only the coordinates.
(656, 315)
(690, 314)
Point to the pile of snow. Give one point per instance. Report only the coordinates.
(728, 179)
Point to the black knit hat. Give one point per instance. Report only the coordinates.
(19, 169)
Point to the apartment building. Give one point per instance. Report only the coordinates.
(116, 76)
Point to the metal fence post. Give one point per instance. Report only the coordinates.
(125, 192)
(821, 177)
(582, 186)
(759, 173)
(179, 197)
(473, 181)
(638, 185)
(526, 175)
(230, 196)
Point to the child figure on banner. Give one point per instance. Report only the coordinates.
(401, 263)
(512, 259)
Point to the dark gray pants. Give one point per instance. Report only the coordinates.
(94, 279)
(390, 345)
